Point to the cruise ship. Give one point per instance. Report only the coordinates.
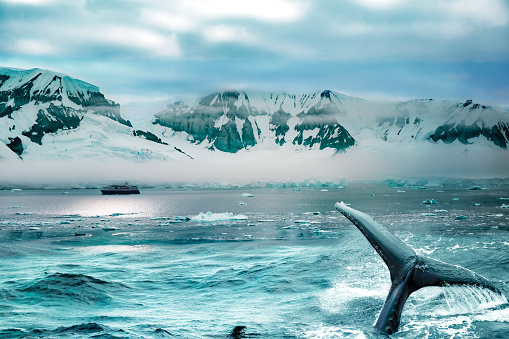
(120, 189)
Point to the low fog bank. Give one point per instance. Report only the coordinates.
(263, 168)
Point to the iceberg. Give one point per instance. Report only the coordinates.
(429, 201)
(209, 217)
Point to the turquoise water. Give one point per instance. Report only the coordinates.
(78, 264)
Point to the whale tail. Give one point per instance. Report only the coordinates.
(409, 272)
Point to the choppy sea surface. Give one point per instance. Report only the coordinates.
(281, 263)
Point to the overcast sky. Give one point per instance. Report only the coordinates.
(143, 50)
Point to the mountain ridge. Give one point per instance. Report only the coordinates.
(43, 114)
(329, 120)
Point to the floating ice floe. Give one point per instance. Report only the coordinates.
(441, 211)
(504, 206)
(461, 217)
(455, 199)
(502, 198)
(429, 201)
(209, 216)
(170, 222)
(182, 218)
(476, 204)
(160, 218)
(324, 190)
(120, 214)
(247, 195)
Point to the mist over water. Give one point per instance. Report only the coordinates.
(265, 166)
(81, 264)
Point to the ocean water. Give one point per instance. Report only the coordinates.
(281, 263)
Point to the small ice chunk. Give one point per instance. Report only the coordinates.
(504, 206)
(241, 203)
(324, 190)
(455, 199)
(429, 201)
(476, 204)
(209, 216)
(475, 188)
(461, 217)
(247, 195)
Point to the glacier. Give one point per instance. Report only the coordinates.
(53, 126)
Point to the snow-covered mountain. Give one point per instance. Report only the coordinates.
(49, 115)
(232, 121)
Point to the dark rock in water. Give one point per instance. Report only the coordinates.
(239, 332)
(160, 332)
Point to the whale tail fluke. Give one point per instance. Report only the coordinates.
(409, 272)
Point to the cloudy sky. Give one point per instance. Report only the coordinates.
(145, 50)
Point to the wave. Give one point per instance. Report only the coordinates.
(75, 287)
(86, 329)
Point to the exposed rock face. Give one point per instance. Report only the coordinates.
(53, 119)
(15, 145)
(232, 121)
(59, 100)
(445, 122)
(228, 122)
